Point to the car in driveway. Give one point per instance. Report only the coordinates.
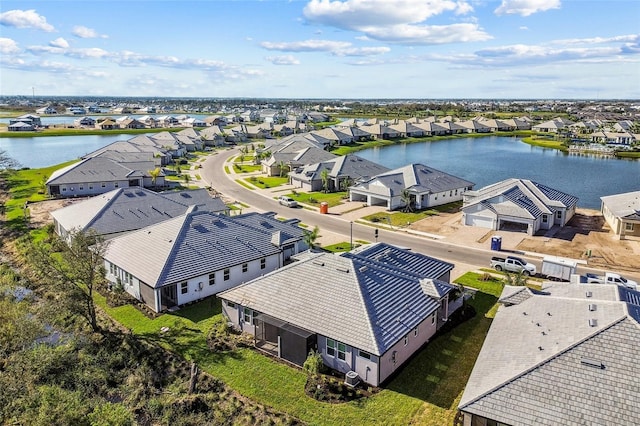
(287, 201)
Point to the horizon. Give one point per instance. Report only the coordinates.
(322, 49)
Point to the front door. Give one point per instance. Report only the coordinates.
(169, 296)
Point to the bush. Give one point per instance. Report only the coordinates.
(313, 364)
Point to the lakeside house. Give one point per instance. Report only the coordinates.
(622, 214)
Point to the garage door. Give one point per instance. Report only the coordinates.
(479, 221)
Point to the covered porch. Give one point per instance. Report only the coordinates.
(282, 339)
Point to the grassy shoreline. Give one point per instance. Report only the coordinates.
(85, 132)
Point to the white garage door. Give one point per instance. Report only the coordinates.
(479, 221)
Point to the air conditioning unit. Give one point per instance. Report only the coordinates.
(351, 379)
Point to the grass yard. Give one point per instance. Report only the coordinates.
(246, 168)
(315, 198)
(426, 391)
(545, 143)
(398, 218)
(340, 247)
(267, 181)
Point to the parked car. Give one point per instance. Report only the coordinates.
(287, 201)
(611, 278)
(513, 264)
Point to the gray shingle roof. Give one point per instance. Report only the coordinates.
(128, 209)
(97, 169)
(190, 245)
(544, 363)
(364, 303)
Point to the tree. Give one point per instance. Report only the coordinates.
(345, 184)
(405, 196)
(6, 162)
(243, 152)
(324, 175)
(310, 237)
(186, 178)
(282, 166)
(74, 268)
(154, 175)
(515, 278)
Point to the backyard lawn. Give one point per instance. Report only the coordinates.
(426, 391)
(315, 198)
(267, 181)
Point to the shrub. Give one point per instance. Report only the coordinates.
(313, 200)
(313, 364)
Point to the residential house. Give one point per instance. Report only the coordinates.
(292, 152)
(613, 138)
(566, 355)
(212, 136)
(425, 186)
(407, 130)
(132, 123)
(107, 124)
(149, 121)
(199, 254)
(84, 122)
(97, 175)
(552, 126)
(128, 209)
(21, 126)
(48, 110)
(622, 214)
(160, 156)
(342, 172)
(519, 205)
(335, 135)
(381, 131)
(431, 128)
(368, 312)
(474, 126)
(32, 119)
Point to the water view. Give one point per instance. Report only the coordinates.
(492, 159)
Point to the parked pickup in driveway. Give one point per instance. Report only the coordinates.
(513, 264)
(611, 278)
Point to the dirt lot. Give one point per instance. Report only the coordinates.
(587, 230)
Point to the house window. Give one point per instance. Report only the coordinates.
(406, 339)
(628, 227)
(247, 315)
(184, 287)
(104, 185)
(331, 347)
(64, 189)
(559, 214)
(81, 188)
(456, 193)
(115, 185)
(90, 186)
(342, 351)
(112, 269)
(245, 267)
(231, 305)
(226, 274)
(415, 331)
(363, 354)
(127, 277)
(212, 279)
(433, 319)
(263, 263)
(544, 218)
(450, 193)
(71, 188)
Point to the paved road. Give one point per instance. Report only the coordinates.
(213, 173)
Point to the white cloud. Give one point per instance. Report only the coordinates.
(59, 42)
(361, 51)
(8, 46)
(523, 28)
(355, 14)
(526, 7)
(84, 32)
(429, 34)
(306, 46)
(282, 60)
(25, 19)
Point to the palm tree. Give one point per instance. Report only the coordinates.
(345, 184)
(516, 279)
(282, 165)
(310, 237)
(324, 175)
(154, 175)
(405, 196)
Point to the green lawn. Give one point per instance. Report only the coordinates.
(246, 168)
(340, 247)
(399, 218)
(267, 181)
(545, 143)
(426, 391)
(315, 198)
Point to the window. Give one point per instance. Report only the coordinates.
(263, 263)
(544, 218)
(363, 354)
(247, 315)
(433, 319)
(71, 188)
(331, 347)
(559, 214)
(104, 185)
(112, 269)
(64, 189)
(81, 188)
(226, 274)
(456, 192)
(342, 351)
(628, 226)
(406, 339)
(212, 279)
(90, 186)
(184, 287)
(415, 331)
(450, 193)
(115, 185)
(231, 305)
(127, 277)
(245, 267)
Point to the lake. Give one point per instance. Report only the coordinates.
(491, 159)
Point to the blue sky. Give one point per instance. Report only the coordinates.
(513, 49)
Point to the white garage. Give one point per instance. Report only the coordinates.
(479, 221)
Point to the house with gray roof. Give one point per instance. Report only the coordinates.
(127, 209)
(519, 205)
(566, 355)
(369, 310)
(292, 152)
(622, 214)
(199, 254)
(426, 186)
(342, 170)
(97, 175)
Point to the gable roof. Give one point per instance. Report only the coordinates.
(193, 244)
(414, 177)
(520, 197)
(362, 302)
(357, 168)
(98, 169)
(544, 361)
(128, 209)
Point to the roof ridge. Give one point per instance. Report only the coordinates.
(544, 361)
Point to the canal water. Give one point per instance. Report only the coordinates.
(491, 159)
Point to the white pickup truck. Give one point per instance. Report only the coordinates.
(612, 278)
(513, 264)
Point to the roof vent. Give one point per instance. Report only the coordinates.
(315, 262)
(588, 294)
(345, 270)
(549, 314)
(593, 322)
(592, 363)
(592, 307)
(363, 268)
